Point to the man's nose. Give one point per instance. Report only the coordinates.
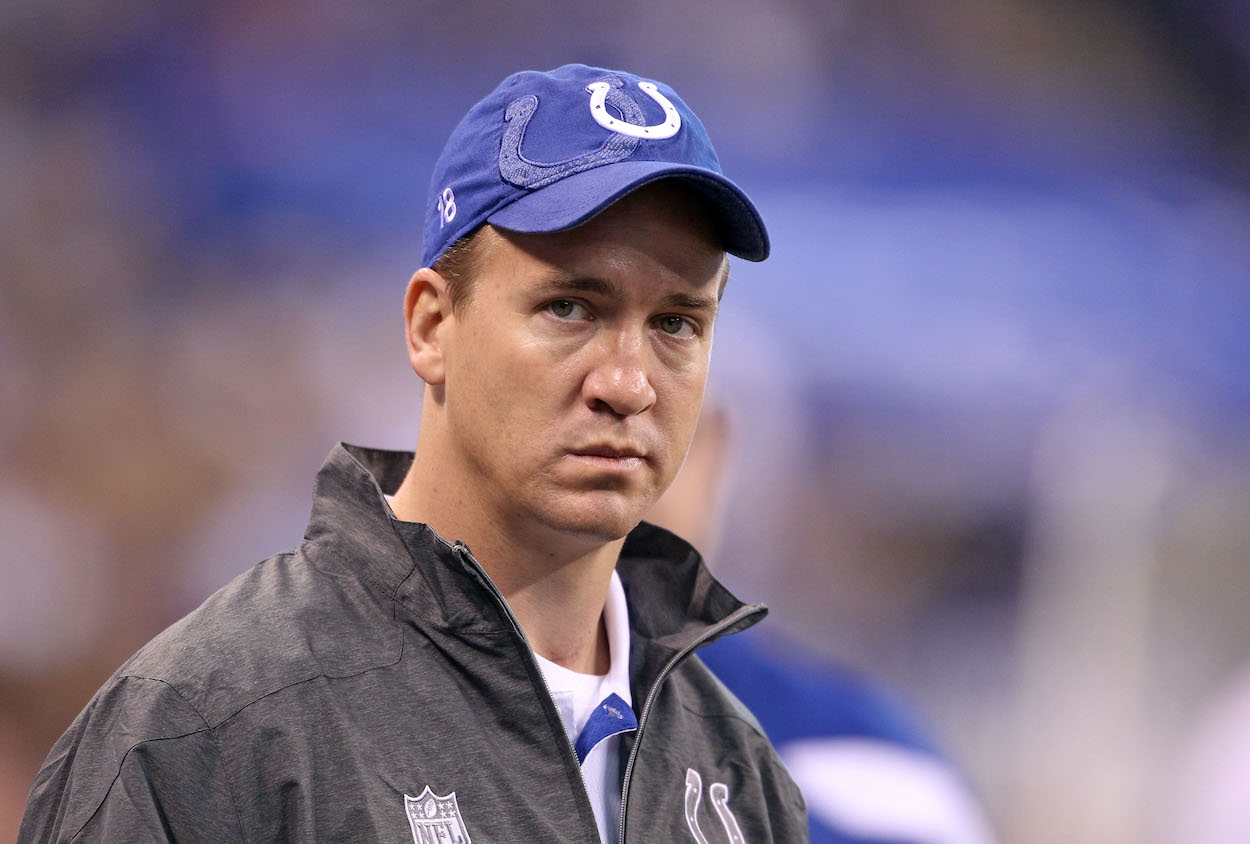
(619, 380)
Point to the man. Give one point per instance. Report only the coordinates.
(383, 682)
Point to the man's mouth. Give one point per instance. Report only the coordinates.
(609, 458)
(610, 451)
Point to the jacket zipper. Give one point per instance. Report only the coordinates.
(462, 550)
(727, 621)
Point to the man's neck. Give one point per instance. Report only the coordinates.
(556, 585)
(574, 635)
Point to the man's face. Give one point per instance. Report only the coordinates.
(575, 370)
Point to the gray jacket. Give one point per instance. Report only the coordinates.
(373, 685)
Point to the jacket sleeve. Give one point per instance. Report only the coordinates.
(139, 764)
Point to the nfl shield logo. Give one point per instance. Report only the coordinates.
(435, 819)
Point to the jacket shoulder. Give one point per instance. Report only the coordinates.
(138, 759)
(280, 623)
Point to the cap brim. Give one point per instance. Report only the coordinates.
(575, 199)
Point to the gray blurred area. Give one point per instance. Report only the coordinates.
(990, 396)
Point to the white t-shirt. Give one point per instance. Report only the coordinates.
(588, 709)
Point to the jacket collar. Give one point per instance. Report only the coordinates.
(672, 596)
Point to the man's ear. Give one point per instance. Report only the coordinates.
(427, 311)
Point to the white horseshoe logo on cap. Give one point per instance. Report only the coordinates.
(672, 120)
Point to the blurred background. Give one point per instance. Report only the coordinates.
(989, 397)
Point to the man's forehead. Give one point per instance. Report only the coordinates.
(579, 261)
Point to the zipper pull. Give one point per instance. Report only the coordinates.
(467, 562)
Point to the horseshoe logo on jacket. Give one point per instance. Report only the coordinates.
(719, 793)
(621, 143)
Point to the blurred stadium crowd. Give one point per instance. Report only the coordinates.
(990, 397)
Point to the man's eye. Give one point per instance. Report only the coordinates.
(567, 309)
(675, 325)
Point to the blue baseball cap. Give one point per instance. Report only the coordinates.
(545, 152)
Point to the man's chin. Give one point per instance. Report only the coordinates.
(596, 517)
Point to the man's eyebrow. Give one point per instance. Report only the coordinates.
(691, 302)
(558, 282)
